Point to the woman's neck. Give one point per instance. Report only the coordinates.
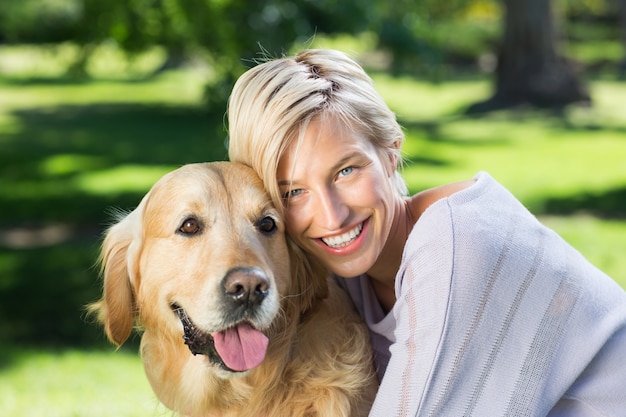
(383, 273)
(406, 214)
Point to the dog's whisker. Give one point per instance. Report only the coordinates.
(300, 294)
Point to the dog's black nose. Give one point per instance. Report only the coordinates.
(246, 286)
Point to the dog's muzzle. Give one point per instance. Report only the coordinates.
(236, 349)
(240, 346)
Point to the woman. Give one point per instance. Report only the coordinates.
(474, 307)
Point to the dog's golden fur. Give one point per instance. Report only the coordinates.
(318, 361)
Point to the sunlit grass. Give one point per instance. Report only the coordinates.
(596, 51)
(107, 61)
(74, 383)
(123, 178)
(173, 88)
(533, 160)
(584, 233)
(25, 61)
(412, 99)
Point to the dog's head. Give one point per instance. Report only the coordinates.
(204, 258)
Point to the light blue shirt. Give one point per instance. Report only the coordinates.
(496, 315)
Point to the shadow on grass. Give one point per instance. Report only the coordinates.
(50, 225)
(67, 80)
(433, 131)
(558, 120)
(119, 132)
(54, 146)
(607, 205)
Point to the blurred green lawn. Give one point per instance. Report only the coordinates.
(75, 383)
(70, 151)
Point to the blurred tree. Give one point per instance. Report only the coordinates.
(530, 68)
(622, 14)
(38, 21)
(226, 30)
(408, 31)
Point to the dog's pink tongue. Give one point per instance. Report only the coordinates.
(242, 347)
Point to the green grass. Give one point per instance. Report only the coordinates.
(70, 151)
(72, 383)
(584, 233)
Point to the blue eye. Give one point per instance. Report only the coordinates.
(346, 171)
(292, 193)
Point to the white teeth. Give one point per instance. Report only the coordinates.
(344, 239)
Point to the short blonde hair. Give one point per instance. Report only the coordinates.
(272, 104)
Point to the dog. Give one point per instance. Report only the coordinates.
(234, 320)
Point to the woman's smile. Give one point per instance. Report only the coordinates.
(344, 239)
(344, 243)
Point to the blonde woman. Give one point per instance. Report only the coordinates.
(474, 307)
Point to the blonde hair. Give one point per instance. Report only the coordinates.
(272, 104)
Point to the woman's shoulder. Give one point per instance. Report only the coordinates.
(458, 192)
(482, 193)
(479, 210)
(421, 201)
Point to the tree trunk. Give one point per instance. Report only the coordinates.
(530, 70)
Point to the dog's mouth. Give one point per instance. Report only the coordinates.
(236, 349)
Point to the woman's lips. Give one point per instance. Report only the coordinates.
(344, 243)
(343, 239)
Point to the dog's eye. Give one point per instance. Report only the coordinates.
(267, 225)
(190, 226)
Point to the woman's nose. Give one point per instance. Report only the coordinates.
(331, 211)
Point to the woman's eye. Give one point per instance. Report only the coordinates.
(267, 225)
(292, 193)
(346, 171)
(190, 226)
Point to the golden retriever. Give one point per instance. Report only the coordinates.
(234, 321)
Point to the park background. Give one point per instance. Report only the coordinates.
(98, 99)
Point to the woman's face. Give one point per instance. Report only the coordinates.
(338, 196)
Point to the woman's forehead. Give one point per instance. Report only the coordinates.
(322, 146)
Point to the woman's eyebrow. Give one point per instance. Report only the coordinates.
(339, 164)
(345, 160)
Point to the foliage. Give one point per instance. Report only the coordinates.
(39, 21)
(428, 37)
(184, 27)
(589, 7)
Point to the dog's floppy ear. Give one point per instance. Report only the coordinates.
(309, 276)
(117, 309)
